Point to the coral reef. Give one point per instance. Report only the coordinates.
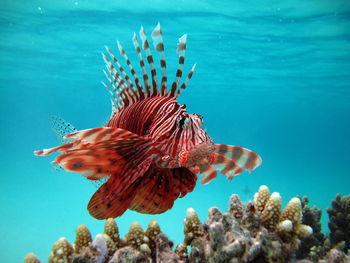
(248, 233)
(62, 251)
(339, 221)
(83, 238)
(258, 231)
(31, 258)
(311, 247)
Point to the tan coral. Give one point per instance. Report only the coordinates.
(293, 211)
(270, 216)
(31, 258)
(303, 230)
(62, 251)
(82, 239)
(261, 198)
(136, 236)
(152, 231)
(111, 229)
(193, 226)
(111, 246)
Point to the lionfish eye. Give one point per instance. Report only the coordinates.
(183, 121)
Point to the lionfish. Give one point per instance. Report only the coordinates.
(151, 149)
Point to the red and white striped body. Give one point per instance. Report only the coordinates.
(166, 123)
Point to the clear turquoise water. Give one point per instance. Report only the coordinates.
(272, 76)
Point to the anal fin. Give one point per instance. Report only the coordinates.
(160, 187)
(107, 203)
(114, 197)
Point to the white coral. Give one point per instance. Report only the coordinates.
(100, 245)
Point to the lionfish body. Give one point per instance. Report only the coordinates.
(152, 148)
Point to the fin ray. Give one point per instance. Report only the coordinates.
(207, 173)
(159, 47)
(161, 187)
(101, 151)
(150, 61)
(122, 88)
(181, 50)
(244, 158)
(147, 87)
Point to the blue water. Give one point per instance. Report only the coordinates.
(272, 76)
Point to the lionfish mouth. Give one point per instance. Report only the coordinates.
(198, 153)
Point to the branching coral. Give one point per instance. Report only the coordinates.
(111, 229)
(31, 258)
(339, 221)
(83, 238)
(193, 226)
(249, 233)
(152, 231)
(110, 245)
(62, 251)
(136, 237)
(261, 198)
(258, 231)
(311, 247)
(270, 216)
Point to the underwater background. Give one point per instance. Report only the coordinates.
(271, 76)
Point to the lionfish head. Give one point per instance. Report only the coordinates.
(197, 144)
(193, 142)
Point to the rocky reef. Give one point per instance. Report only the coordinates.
(257, 231)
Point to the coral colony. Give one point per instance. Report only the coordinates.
(258, 231)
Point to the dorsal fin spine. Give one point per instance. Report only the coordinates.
(181, 49)
(119, 89)
(109, 77)
(114, 98)
(159, 46)
(184, 85)
(114, 101)
(122, 90)
(146, 48)
(132, 70)
(135, 95)
(142, 64)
